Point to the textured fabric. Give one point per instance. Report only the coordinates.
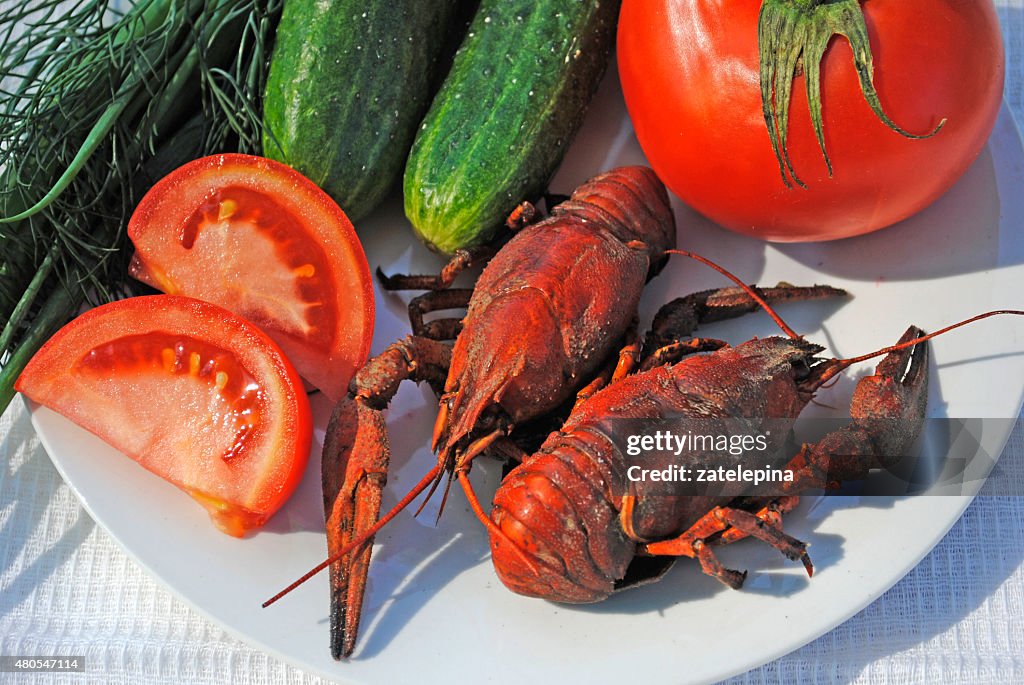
(956, 618)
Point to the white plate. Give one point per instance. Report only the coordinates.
(434, 608)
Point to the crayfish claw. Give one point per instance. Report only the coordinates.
(888, 410)
(354, 471)
(907, 364)
(890, 404)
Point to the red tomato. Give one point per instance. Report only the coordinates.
(192, 392)
(690, 75)
(261, 240)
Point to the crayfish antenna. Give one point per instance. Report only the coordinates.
(444, 497)
(746, 288)
(433, 488)
(431, 479)
(824, 372)
(362, 539)
(451, 464)
(491, 526)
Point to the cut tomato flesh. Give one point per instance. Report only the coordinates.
(194, 372)
(259, 239)
(189, 390)
(238, 231)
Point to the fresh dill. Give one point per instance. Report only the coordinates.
(96, 104)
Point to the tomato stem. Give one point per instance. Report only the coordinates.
(793, 34)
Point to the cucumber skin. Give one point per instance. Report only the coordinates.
(499, 127)
(348, 85)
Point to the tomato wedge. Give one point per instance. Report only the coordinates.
(258, 238)
(192, 392)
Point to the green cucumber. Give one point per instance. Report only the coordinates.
(348, 85)
(499, 126)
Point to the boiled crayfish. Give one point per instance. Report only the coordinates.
(552, 317)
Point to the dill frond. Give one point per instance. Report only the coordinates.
(96, 104)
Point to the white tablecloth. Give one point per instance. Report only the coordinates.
(66, 586)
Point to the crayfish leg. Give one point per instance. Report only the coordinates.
(710, 564)
(525, 214)
(459, 262)
(771, 514)
(674, 352)
(437, 300)
(695, 541)
(677, 320)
